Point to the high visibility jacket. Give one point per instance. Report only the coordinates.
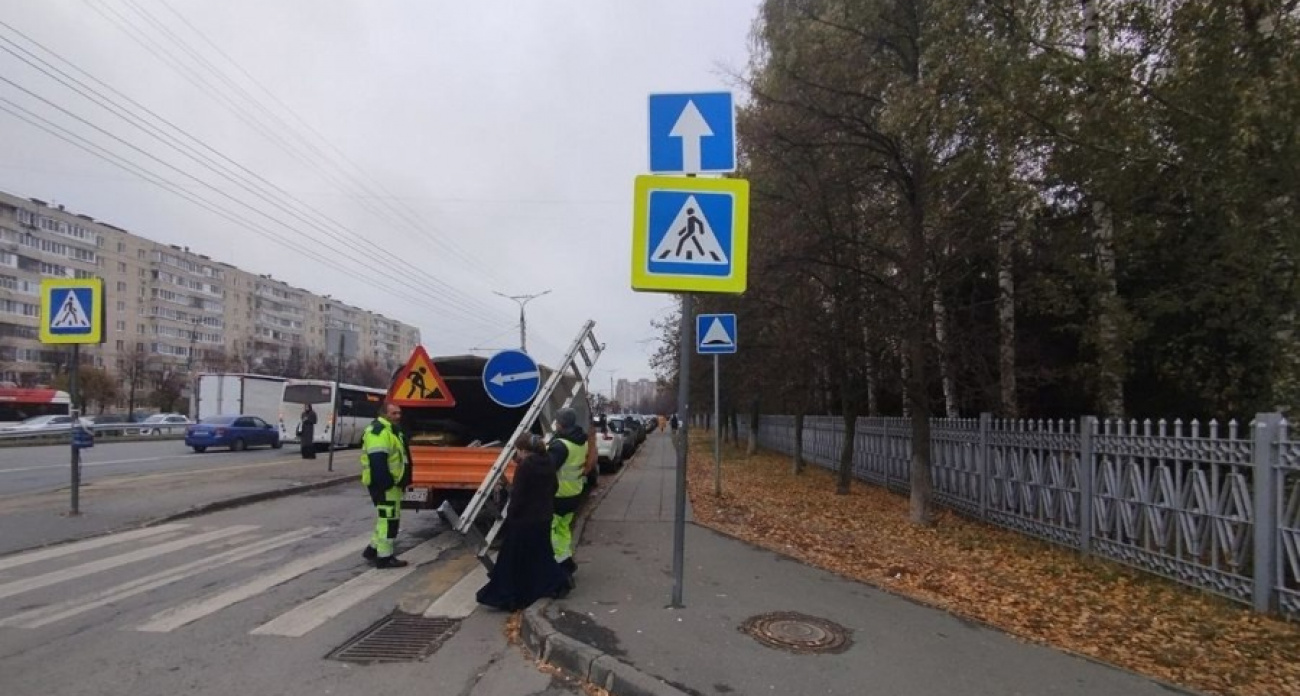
(570, 473)
(380, 438)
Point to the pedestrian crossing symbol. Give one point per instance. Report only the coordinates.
(72, 311)
(715, 333)
(419, 384)
(690, 235)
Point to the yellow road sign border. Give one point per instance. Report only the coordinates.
(95, 313)
(644, 280)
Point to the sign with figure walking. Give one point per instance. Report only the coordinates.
(419, 384)
(690, 235)
(72, 311)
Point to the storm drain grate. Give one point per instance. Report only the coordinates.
(397, 638)
(798, 633)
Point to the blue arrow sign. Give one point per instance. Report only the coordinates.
(511, 378)
(692, 133)
(715, 333)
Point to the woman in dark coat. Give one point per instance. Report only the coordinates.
(307, 432)
(525, 569)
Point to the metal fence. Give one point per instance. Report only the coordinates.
(1209, 507)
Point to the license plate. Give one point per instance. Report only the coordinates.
(418, 495)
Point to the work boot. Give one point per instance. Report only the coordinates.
(569, 566)
(390, 562)
(370, 553)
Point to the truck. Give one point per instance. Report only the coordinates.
(223, 394)
(452, 448)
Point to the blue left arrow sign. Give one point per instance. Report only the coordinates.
(511, 378)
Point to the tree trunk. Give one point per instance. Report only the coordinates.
(873, 400)
(945, 358)
(844, 481)
(798, 461)
(904, 362)
(1007, 322)
(920, 408)
(753, 429)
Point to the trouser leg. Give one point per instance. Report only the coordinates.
(388, 520)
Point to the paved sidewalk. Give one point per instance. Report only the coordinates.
(617, 630)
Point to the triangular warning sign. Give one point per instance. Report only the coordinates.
(419, 384)
(70, 315)
(690, 239)
(717, 335)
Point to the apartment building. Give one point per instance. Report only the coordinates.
(632, 394)
(170, 310)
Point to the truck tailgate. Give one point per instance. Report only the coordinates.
(453, 467)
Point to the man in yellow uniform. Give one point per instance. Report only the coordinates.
(568, 453)
(385, 472)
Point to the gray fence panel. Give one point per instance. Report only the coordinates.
(1034, 479)
(1287, 488)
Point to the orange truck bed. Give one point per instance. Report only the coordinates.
(453, 468)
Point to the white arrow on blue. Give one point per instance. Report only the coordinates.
(501, 379)
(691, 128)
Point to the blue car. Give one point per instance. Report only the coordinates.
(236, 432)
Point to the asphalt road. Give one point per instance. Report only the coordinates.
(251, 601)
(35, 469)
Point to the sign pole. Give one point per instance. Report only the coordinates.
(72, 430)
(717, 433)
(334, 427)
(684, 418)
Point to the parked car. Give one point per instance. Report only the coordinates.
(635, 427)
(617, 425)
(44, 424)
(236, 432)
(164, 424)
(103, 420)
(609, 448)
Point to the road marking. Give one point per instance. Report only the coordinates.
(174, 618)
(315, 612)
(130, 480)
(84, 465)
(462, 599)
(23, 559)
(10, 589)
(41, 616)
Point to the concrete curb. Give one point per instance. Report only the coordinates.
(547, 643)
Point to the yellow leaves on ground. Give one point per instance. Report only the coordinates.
(1032, 589)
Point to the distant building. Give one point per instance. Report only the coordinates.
(170, 311)
(635, 395)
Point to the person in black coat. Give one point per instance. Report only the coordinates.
(307, 432)
(525, 569)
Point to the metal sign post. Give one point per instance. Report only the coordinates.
(334, 422)
(684, 418)
(717, 433)
(72, 430)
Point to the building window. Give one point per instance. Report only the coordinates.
(121, 247)
(121, 326)
(121, 267)
(121, 306)
(139, 328)
(121, 287)
(121, 346)
(139, 253)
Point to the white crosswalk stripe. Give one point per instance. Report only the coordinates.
(22, 559)
(310, 615)
(461, 600)
(44, 616)
(10, 589)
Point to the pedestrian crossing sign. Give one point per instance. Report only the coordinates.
(419, 384)
(72, 311)
(690, 234)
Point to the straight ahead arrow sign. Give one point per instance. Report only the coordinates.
(502, 379)
(691, 128)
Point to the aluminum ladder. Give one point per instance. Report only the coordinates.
(579, 362)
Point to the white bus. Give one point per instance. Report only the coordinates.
(358, 406)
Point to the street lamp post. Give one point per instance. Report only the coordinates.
(522, 300)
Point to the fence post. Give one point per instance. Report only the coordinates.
(1087, 481)
(1265, 482)
(885, 452)
(982, 464)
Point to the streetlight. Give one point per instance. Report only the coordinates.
(523, 321)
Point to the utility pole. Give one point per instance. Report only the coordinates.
(522, 300)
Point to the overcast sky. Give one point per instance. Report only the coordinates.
(465, 147)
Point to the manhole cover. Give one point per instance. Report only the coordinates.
(397, 638)
(798, 633)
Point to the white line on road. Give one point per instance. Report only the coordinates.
(23, 559)
(42, 616)
(85, 465)
(311, 614)
(10, 589)
(174, 618)
(461, 600)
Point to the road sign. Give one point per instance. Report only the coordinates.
(715, 334)
(692, 133)
(690, 235)
(511, 378)
(419, 384)
(72, 311)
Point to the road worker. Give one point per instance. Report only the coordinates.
(385, 472)
(567, 451)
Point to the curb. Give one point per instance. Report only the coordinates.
(570, 655)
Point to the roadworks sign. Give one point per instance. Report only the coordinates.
(419, 384)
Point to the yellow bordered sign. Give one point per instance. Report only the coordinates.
(690, 234)
(72, 311)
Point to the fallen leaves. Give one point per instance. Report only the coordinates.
(1037, 591)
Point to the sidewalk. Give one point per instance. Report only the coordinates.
(122, 502)
(617, 630)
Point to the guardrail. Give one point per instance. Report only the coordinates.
(124, 432)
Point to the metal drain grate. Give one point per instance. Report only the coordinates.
(798, 633)
(397, 638)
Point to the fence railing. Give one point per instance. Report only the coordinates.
(1207, 506)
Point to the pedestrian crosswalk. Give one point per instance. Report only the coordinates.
(201, 572)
